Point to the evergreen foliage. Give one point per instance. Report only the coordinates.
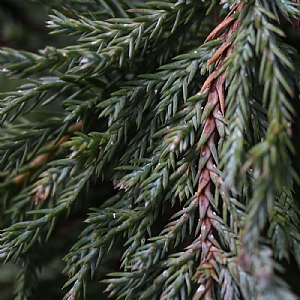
(186, 108)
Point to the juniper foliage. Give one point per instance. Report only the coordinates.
(187, 108)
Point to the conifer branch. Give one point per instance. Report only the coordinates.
(212, 252)
(192, 127)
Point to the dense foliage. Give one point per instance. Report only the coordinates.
(154, 152)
